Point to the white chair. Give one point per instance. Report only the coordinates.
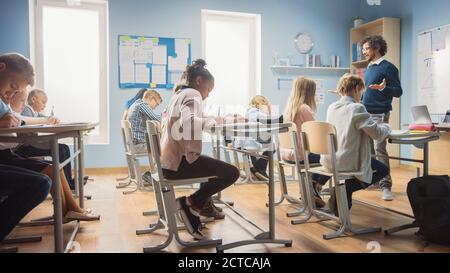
(165, 197)
(320, 138)
(286, 141)
(132, 156)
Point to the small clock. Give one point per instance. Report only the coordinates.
(304, 43)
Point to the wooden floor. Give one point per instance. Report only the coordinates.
(121, 215)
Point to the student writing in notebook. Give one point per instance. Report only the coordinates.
(300, 108)
(181, 148)
(21, 190)
(16, 74)
(18, 105)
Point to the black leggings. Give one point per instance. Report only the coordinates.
(205, 166)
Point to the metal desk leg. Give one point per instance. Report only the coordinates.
(271, 198)
(81, 169)
(57, 206)
(425, 158)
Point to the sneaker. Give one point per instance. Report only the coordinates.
(261, 175)
(191, 221)
(147, 177)
(209, 211)
(387, 195)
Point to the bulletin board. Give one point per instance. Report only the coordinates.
(152, 62)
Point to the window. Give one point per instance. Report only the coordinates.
(71, 61)
(232, 50)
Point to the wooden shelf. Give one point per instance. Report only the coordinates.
(297, 70)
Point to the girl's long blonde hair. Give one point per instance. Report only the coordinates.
(303, 92)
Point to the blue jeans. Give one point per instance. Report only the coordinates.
(21, 190)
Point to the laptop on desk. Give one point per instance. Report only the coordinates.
(421, 115)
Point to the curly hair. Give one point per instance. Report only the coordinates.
(376, 42)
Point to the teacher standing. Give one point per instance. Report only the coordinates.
(383, 84)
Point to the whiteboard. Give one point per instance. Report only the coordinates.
(433, 71)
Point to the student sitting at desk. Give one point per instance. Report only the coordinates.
(300, 108)
(138, 114)
(139, 95)
(355, 132)
(181, 151)
(21, 190)
(16, 73)
(17, 104)
(36, 103)
(259, 108)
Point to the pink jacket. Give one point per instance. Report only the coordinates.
(183, 125)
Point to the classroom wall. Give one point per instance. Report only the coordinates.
(416, 16)
(14, 27)
(328, 21)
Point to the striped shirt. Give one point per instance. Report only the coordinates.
(138, 114)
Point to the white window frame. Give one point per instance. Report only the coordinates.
(36, 53)
(255, 41)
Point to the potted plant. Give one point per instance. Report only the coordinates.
(358, 21)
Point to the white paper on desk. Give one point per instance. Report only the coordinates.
(159, 74)
(160, 54)
(127, 73)
(142, 74)
(126, 53)
(438, 39)
(399, 132)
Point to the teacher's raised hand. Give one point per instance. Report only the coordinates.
(379, 87)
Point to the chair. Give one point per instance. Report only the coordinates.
(320, 138)
(134, 168)
(165, 197)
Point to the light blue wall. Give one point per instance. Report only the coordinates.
(416, 16)
(14, 25)
(328, 21)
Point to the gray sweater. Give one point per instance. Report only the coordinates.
(355, 130)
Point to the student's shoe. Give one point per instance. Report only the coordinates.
(317, 199)
(191, 221)
(261, 175)
(80, 216)
(387, 195)
(210, 211)
(147, 177)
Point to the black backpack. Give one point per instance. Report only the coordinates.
(430, 201)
